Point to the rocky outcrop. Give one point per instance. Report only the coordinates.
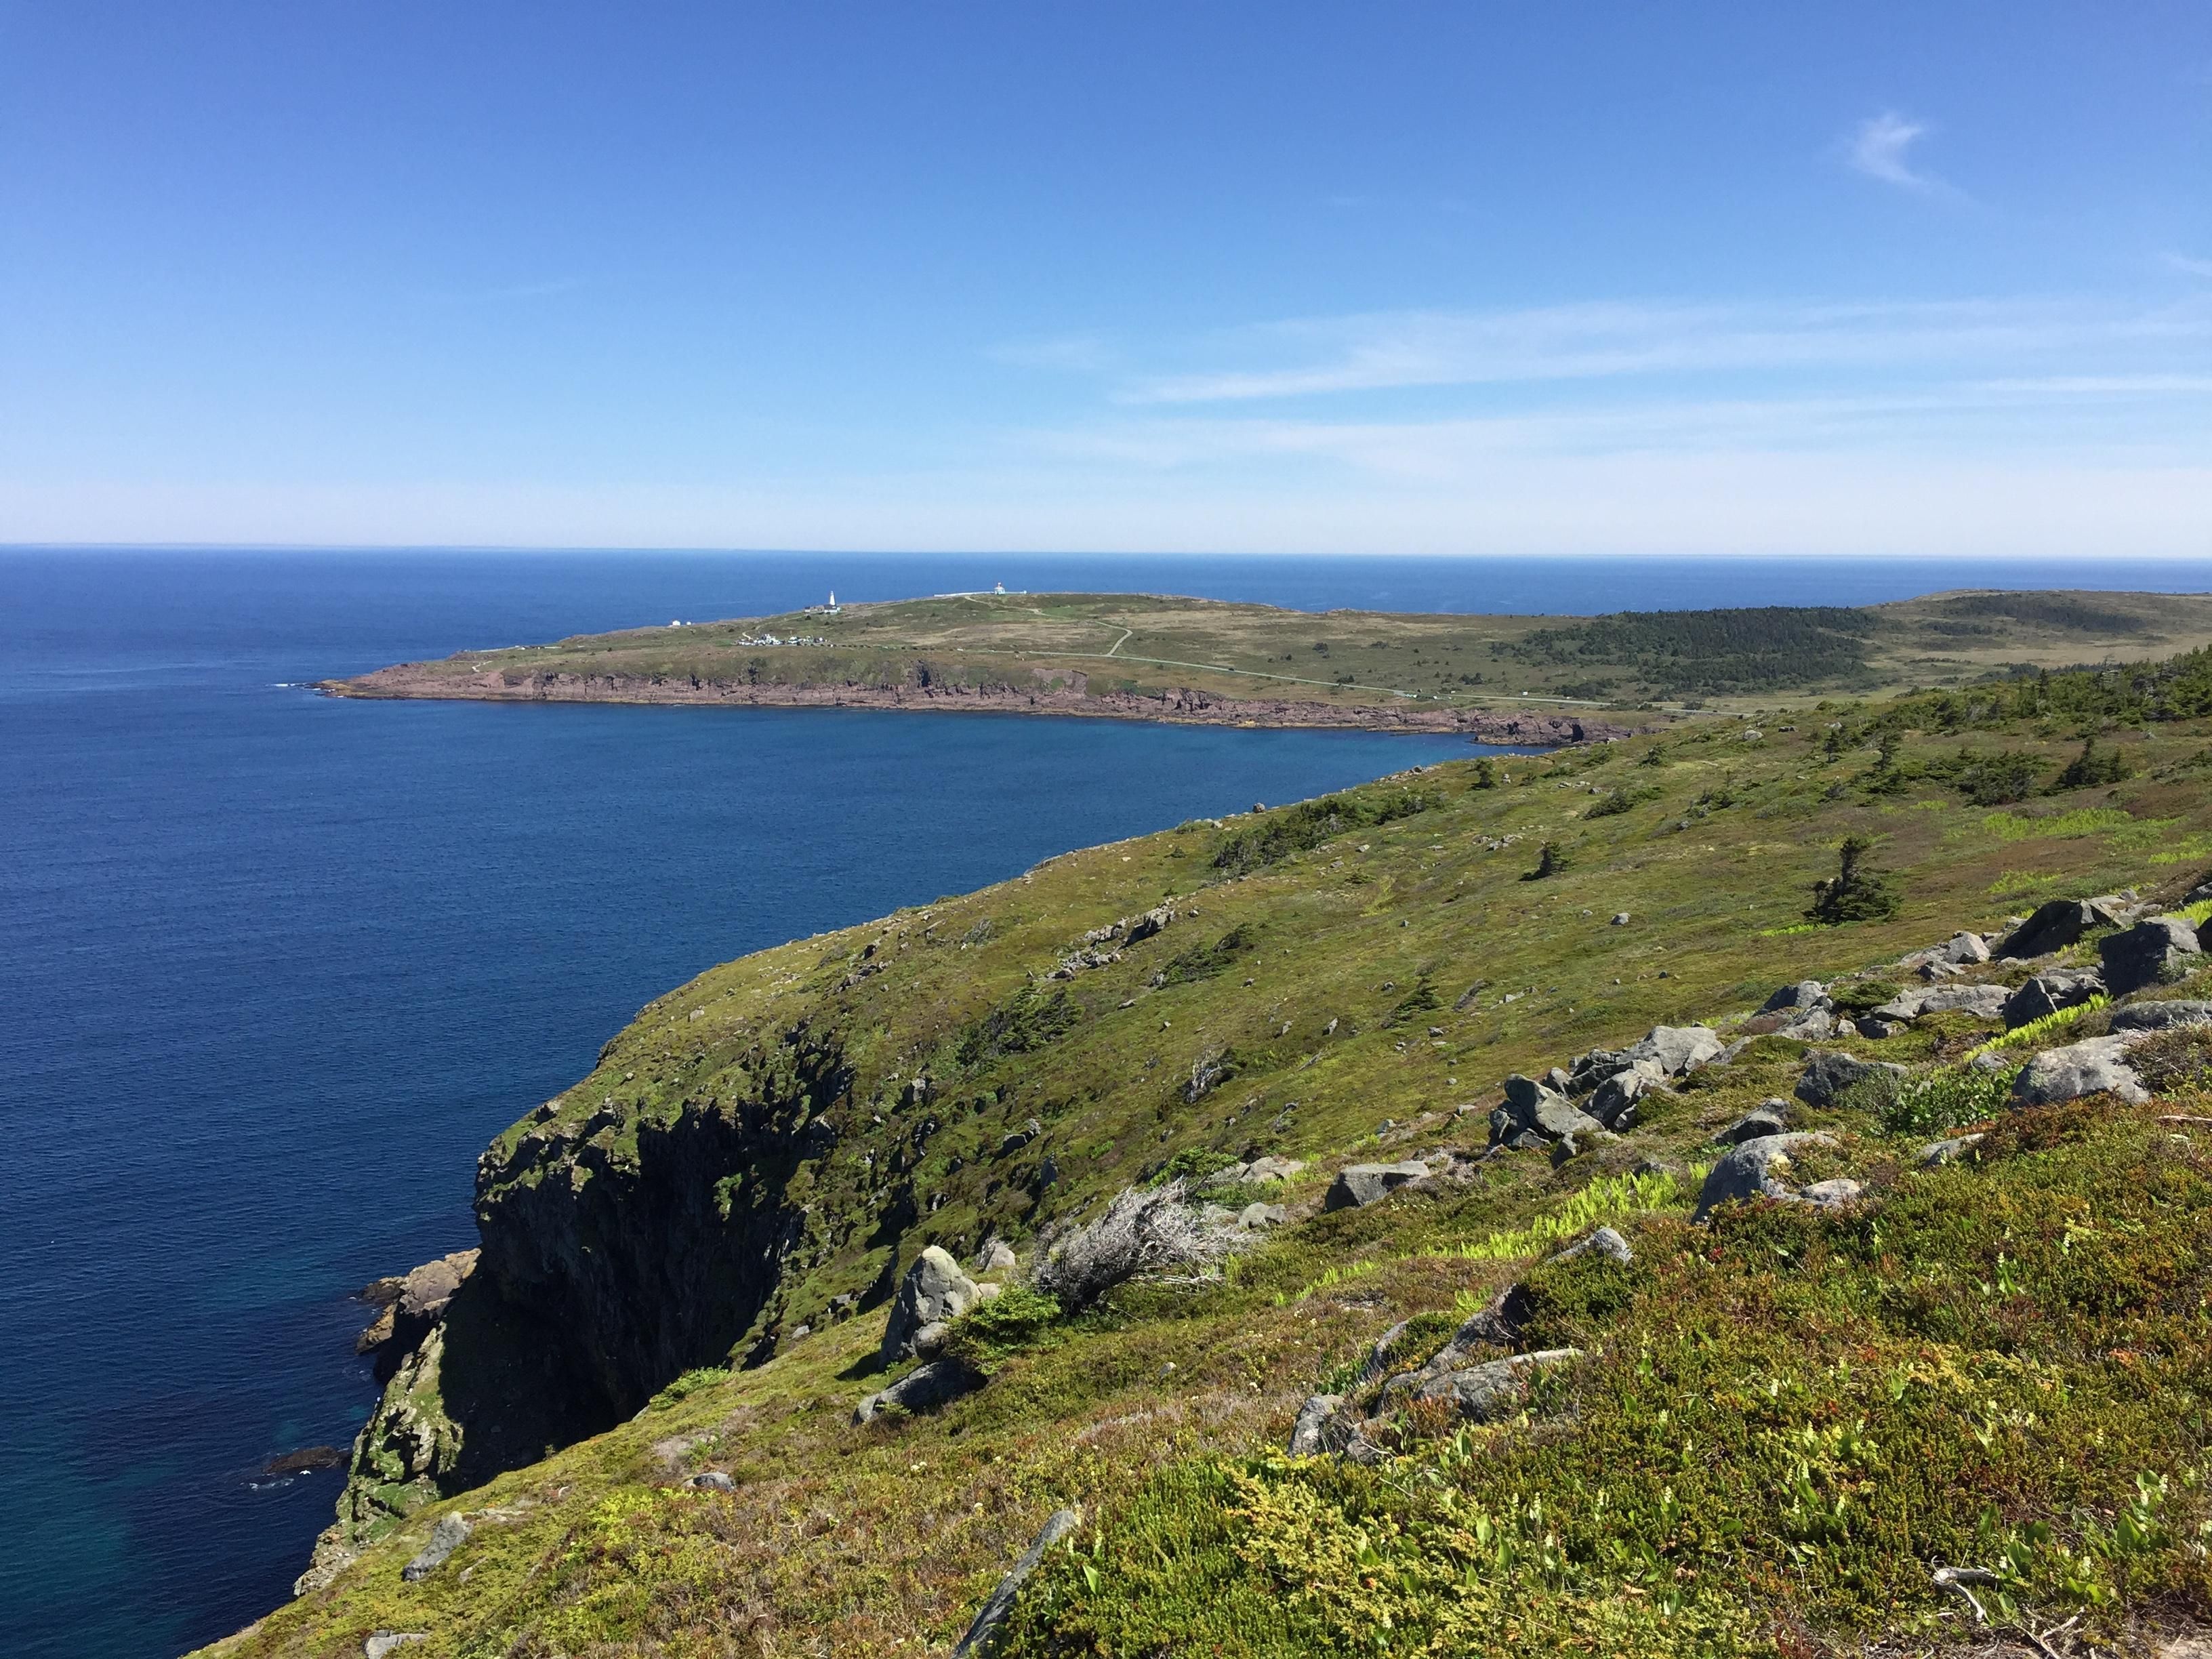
(1983, 1001)
(2154, 952)
(1181, 706)
(2162, 1016)
(621, 1232)
(1827, 1075)
(1768, 1117)
(2054, 926)
(448, 1535)
(923, 1389)
(1358, 1185)
(2095, 1065)
(933, 1293)
(1761, 1168)
(2047, 993)
(1493, 1390)
(992, 1615)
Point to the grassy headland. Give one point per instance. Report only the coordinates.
(1778, 1425)
(1203, 659)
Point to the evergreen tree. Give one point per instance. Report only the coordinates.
(1856, 892)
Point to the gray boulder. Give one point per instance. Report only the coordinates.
(1828, 1073)
(1756, 1168)
(383, 1643)
(1833, 1193)
(712, 1481)
(1272, 1167)
(2054, 926)
(1678, 1048)
(1809, 1027)
(1358, 1185)
(1614, 1102)
(1936, 1153)
(2162, 1016)
(995, 1256)
(1768, 1117)
(2087, 1067)
(1593, 1068)
(2154, 952)
(1309, 1434)
(448, 1535)
(993, 1614)
(2048, 992)
(1497, 1389)
(934, 1292)
(1983, 1001)
(1964, 948)
(1805, 995)
(1537, 1107)
(923, 1389)
(1602, 1241)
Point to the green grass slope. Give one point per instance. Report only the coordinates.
(1779, 1425)
(1076, 646)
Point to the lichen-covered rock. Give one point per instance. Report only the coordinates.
(2054, 926)
(993, 1614)
(448, 1535)
(1768, 1117)
(1497, 1389)
(2152, 953)
(1756, 1168)
(1983, 1001)
(1614, 1102)
(2162, 1016)
(1358, 1185)
(1306, 1434)
(1936, 1153)
(1601, 1241)
(1827, 1074)
(1806, 993)
(1678, 1048)
(923, 1389)
(2049, 992)
(2094, 1066)
(934, 1292)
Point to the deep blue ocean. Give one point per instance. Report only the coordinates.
(273, 967)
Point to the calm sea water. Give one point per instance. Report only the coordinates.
(273, 968)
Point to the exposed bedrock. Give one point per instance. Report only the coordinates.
(653, 1247)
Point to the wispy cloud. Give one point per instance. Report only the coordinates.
(1081, 353)
(2188, 266)
(1397, 350)
(1881, 147)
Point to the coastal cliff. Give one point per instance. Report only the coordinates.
(1070, 697)
(1791, 1133)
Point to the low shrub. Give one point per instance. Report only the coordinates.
(1145, 1232)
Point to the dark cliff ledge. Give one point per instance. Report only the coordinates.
(1181, 706)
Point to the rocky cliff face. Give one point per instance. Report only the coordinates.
(620, 1250)
(655, 1245)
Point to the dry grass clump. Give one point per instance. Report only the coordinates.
(1153, 1233)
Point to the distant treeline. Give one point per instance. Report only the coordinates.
(1680, 653)
(2087, 697)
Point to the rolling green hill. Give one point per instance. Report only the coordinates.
(1195, 658)
(1761, 1434)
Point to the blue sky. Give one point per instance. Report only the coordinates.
(1458, 278)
